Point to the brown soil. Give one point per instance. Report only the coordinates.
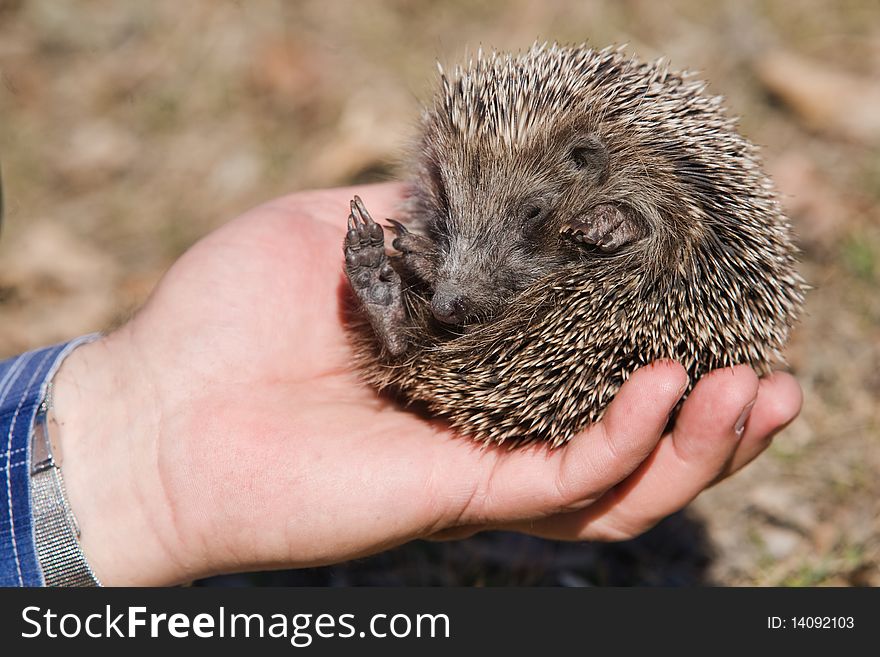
(130, 129)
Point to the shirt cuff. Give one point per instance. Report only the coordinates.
(23, 383)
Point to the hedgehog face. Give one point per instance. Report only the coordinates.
(493, 234)
(501, 219)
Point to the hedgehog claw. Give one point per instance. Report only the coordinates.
(374, 281)
(359, 210)
(399, 229)
(352, 239)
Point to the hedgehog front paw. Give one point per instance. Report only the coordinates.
(372, 277)
(416, 252)
(607, 226)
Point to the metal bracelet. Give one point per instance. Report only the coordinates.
(56, 532)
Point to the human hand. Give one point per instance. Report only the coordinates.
(223, 428)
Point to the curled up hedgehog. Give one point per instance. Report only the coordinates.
(573, 214)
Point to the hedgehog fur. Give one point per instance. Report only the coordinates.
(555, 323)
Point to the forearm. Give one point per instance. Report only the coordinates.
(105, 427)
(23, 384)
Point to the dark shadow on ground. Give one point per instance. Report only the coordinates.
(677, 552)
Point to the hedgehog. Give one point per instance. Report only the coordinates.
(572, 214)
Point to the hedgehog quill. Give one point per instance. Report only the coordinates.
(573, 214)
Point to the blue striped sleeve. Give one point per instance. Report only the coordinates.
(23, 382)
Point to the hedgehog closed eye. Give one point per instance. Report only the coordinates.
(656, 235)
(536, 212)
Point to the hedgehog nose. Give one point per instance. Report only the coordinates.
(450, 309)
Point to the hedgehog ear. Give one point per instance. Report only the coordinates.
(589, 155)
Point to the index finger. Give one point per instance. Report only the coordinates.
(331, 206)
(531, 483)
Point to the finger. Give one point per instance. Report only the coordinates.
(534, 482)
(331, 206)
(779, 401)
(703, 441)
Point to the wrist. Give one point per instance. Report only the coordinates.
(106, 433)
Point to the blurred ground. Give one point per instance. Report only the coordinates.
(129, 129)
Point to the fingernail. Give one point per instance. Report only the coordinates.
(684, 386)
(740, 425)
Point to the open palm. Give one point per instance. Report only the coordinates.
(264, 450)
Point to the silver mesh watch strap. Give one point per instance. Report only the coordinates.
(56, 531)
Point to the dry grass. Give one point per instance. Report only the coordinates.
(129, 129)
